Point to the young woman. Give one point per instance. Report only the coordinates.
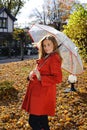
(40, 98)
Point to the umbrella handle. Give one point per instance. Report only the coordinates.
(59, 45)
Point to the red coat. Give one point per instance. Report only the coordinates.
(40, 98)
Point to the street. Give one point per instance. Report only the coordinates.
(16, 59)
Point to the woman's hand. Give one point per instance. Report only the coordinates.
(34, 72)
(31, 75)
(37, 73)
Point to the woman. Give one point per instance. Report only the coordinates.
(40, 98)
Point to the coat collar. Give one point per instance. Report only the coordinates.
(46, 57)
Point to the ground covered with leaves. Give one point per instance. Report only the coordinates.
(71, 108)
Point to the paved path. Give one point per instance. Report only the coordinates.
(15, 59)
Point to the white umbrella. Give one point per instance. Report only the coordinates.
(68, 50)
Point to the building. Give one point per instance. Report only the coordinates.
(6, 29)
(6, 23)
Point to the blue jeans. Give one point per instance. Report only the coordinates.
(39, 122)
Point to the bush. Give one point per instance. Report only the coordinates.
(7, 91)
(76, 29)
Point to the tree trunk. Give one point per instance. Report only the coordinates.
(22, 51)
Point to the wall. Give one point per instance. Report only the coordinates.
(9, 23)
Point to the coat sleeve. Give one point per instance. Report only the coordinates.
(55, 75)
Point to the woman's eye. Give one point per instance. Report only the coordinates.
(44, 46)
(48, 44)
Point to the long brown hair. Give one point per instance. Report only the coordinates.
(42, 53)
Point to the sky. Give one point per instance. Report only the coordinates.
(23, 18)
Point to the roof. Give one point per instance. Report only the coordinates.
(8, 12)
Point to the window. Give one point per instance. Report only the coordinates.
(3, 22)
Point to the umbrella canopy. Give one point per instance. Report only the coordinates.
(68, 50)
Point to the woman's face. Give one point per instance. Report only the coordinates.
(48, 46)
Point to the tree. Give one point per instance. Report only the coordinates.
(53, 12)
(14, 6)
(59, 12)
(21, 36)
(76, 29)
